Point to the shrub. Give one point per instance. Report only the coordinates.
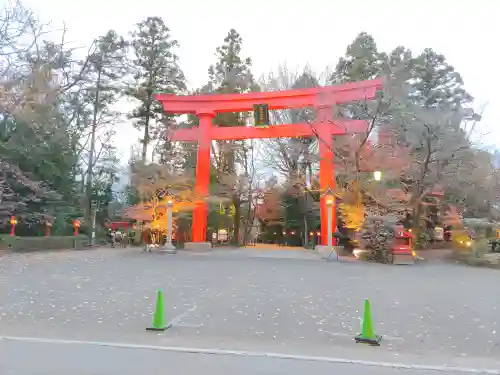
(378, 238)
(424, 239)
(472, 260)
(480, 247)
(461, 240)
(25, 244)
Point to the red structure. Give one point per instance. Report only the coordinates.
(114, 225)
(402, 247)
(323, 99)
(13, 223)
(76, 226)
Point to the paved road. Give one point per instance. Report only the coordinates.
(23, 358)
(432, 313)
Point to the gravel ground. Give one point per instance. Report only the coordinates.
(438, 312)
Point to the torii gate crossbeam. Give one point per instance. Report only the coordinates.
(323, 99)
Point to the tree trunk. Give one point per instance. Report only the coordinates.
(417, 212)
(236, 220)
(145, 140)
(90, 166)
(248, 227)
(306, 232)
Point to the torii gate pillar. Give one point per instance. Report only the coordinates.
(200, 213)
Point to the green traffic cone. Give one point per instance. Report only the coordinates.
(368, 335)
(159, 316)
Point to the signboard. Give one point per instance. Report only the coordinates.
(261, 115)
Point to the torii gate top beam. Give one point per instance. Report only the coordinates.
(194, 104)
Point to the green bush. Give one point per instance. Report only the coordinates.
(473, 260)
(25, 244)
(480, 247)
(424, 239)
(461, 241)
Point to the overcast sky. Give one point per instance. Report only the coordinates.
(314, 32)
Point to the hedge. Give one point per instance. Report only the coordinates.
(25, 244)
(477, 261)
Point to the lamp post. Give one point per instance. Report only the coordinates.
(329, 204)
(93, 230)
(13, 223)
(168, 245)
(76, 226)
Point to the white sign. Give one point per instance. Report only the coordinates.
(438, 233)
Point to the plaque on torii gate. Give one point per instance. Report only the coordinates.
(323, 99)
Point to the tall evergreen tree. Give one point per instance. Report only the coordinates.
(436, 83)
(302, 163)
(156, 69)
(362, 61)
(102, 87)
(35, 143)
(230, 74)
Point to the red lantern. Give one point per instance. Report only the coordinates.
(76, 225)
(13, 223)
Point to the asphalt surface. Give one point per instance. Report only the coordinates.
(433, 313)
(21, 358)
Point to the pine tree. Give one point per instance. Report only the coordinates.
(428, 121)
(103, 83)
(156, 69)
(435, 82)
(230, 74)
(303, 161)
(362, 61)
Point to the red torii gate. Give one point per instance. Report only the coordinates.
(323, 99)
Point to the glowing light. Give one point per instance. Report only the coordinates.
(377, 175)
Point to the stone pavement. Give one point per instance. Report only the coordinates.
(430, 313)
(261, 252)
